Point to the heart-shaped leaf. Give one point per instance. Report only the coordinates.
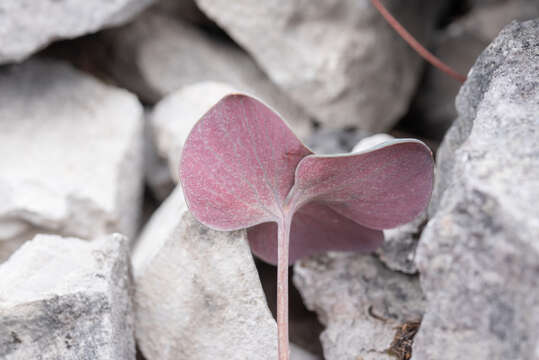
(242, 166)
(238, 163)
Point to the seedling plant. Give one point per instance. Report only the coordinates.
(242, 167)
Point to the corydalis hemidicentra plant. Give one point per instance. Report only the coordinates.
(242, 167)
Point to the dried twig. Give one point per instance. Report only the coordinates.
(425, 54)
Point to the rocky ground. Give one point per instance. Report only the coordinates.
(101, 259)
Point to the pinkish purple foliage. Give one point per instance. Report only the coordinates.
(242, 167)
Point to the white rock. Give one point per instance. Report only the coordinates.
(198, 293)
(339, 59)
(334, 141)
(66, 298)
(175, 115)
(360, 301)
(156, 55)
(27, 26)
(70, 154)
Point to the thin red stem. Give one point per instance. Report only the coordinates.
(425, 54)
(282, 287)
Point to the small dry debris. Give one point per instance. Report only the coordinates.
(401, 347)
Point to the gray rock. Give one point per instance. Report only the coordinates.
(478, 255)
(360, 301)
(297, 353)
(398, 252)
(70, 155)
(27, 26)
(335, 141)
(459, 46)
(156, 55)
(186, 10)
(339, 59)
(487, 19)
(198, 293)
(65, 298)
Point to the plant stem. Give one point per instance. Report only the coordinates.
(425, 54)
(283, 238)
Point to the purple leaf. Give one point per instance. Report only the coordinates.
(238, 164)
(242, 167)
(381, 188)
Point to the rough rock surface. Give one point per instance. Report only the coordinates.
(156, 55)
(66, 298)
(171, 122)
(360, 301)
(198, 293)
(478, 254)
(398, 252)
(70, 155)
(339, 59)
(27, 26)
(459, 45)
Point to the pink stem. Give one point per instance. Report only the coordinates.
(282, 287)
(425, 54)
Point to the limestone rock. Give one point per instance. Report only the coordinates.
(398, 252)
(478, 254)
(156, 55)
(27, 26)
(334, 141)
(171, 122)
(66, 298)
(360, 301)
(339, 59)
(459, 45)
(70, 154)
(198, 293)
(156, 169)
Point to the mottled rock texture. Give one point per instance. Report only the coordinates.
(339, 59)
(66, 298)
(70, 154)
(198, 293)
(360, 301)
(29, 25)
(479, 254)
